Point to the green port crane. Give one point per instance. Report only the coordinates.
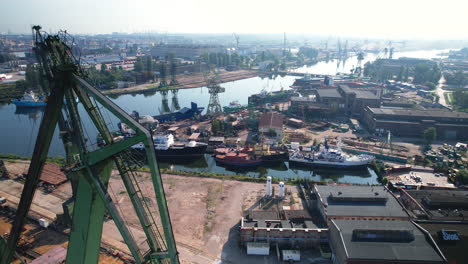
(89, 168)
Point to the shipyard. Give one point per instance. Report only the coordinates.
(194, 134)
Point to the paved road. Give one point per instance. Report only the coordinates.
(440, 92)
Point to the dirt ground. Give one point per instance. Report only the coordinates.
(205, 213)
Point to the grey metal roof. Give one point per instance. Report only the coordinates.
(328, 93)
(421, 248)
(417, 113)
(365, 95)
(388, 207)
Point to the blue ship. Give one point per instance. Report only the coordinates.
(183, 113)
(29, 100)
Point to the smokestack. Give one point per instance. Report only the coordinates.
(281, 190)
(268, 187)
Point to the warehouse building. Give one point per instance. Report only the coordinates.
(412, 123)
(358, 202)
(382, 242)
(337, 101)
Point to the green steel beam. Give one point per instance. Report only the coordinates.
(41, 148)
(100, 188)
(87, 221)
(161, 201)
(112, 149)
(151, 156)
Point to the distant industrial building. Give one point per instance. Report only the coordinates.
(189, 52)
(382, 242)
(412, 122)
(337, 101)
(439, 205)
(358, 202)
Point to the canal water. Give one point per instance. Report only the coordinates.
(19, 127)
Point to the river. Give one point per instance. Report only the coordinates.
(19, 128)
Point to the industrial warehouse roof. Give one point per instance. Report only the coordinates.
(361, 94)
(358, 201)
(328, 93)
(417, 113)
(271, 120)
(365, 95)
(52, 174)
(400, 241)
(443, 205)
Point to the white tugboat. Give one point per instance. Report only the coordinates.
(331, 158)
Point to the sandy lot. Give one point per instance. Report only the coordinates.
(204, 212)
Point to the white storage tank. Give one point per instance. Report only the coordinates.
(258, 248)
(268, 186)
(288, 255)
(281, 190)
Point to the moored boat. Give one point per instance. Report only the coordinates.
(29, 99)
(166, 147)
(237, 159)
(331, 158)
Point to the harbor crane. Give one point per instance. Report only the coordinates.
(212, 83)
(89, 168)
(236, 37)
(360, 57)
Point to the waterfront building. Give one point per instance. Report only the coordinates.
(411, 122)
(342, 100)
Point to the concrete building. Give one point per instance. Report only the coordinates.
(382, 242)
(412, 122)
(358, 202)
(272, 121)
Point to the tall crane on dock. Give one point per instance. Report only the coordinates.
(212, 83)
(89, 168)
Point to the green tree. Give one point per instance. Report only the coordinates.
(139, 65)
(103, 67)
(162, 74)
(462, 176)
(430, 135)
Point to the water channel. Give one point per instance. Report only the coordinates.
(19, 127)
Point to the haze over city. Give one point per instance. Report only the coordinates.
(363, 18)
(240, 132)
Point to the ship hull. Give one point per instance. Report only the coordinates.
(327, 164)
(239, 164)
(24, 104)
(174, 153)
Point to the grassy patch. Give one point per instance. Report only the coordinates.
(60, 161)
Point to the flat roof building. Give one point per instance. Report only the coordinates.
(412, 122)
(382, 241)
(439, 205)
(358, 202)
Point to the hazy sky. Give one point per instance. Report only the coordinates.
(427, 19)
